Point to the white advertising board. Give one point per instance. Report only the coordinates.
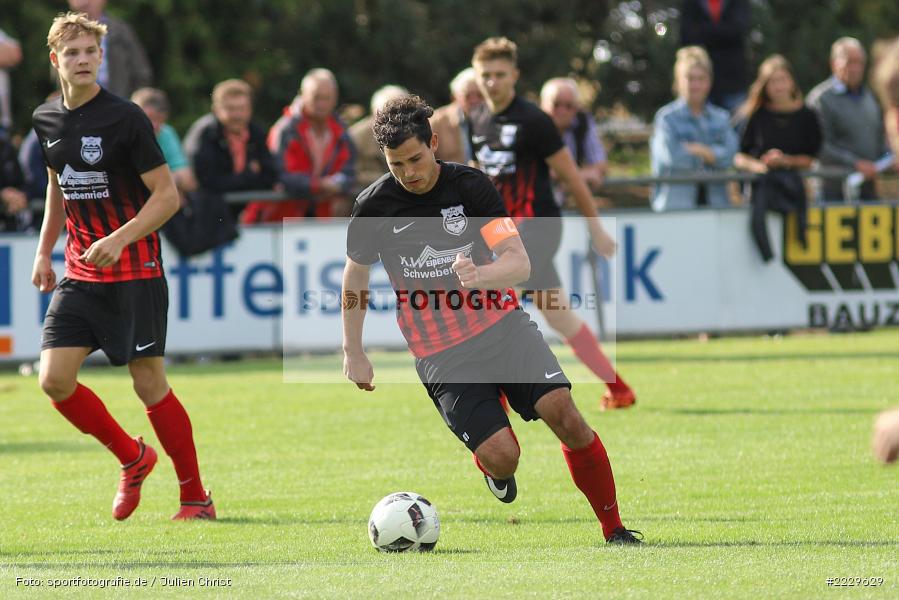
(674, 273)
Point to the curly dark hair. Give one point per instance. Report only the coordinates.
(401, 119)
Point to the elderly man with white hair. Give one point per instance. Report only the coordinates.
(370, 163)
(450, 122)
(559, 99)
(850, 118)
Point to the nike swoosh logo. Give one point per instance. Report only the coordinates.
(477, 139)
(611, 506)
(140, 348)
(188, 480)
(53, 143)
(499, 493)
(551, 375)
(403, 228)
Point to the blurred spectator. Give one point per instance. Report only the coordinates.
(10, 56)
(450, 122)
(125, 67)
(559, 99)
(314, 156)
(14, 212)
(781, 136)
(885, 81)
(227, 148)
(850, 119)
(720, 26)
(691, 135)
(370, 163)
(155, 104)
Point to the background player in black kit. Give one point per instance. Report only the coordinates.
(109, 185)
(436, 226)
(516, 144)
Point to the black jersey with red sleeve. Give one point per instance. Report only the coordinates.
(99, 151)
(418, 237)
(512, 148)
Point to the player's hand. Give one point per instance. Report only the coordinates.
(42, 275)
(886, 436)
(700, 151)
(103, 253)
(866, 168)
(467, 271)
(358, 369)
(604, 243)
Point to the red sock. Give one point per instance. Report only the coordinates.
(592, 474)
(87, 412)
(172, 427)
(478, 463)
(586, 348)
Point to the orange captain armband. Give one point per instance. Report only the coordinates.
(497, 230)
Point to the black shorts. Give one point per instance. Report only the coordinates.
(541, 237)
(465, 381)
(126, 319)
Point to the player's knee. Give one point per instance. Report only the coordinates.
(502, 460)
(57, 387)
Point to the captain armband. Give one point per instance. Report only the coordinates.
(497, 230)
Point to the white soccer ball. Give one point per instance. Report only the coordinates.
(403, 521)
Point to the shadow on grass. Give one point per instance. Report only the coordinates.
(762, 412)
(801, 544)
(39, 447)
(772, 357)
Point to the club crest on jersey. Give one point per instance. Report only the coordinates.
(454, 220)
(507, 134)
(91, 149)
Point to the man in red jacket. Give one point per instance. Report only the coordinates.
(314, 156)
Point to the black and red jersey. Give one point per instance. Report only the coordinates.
(418, 237)
(512, 147)
(99, 151)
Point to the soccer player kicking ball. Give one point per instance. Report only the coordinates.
(436, 227)
(111, 188)
(516, 144)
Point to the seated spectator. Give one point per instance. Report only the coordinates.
(14, 212)
(559, 99)
(850, 119)
(781, 136)
(450, 122)
(155, 104)
(227, 148)
(690, 135)
(370, 163)
(314, 156)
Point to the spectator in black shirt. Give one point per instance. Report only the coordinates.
(720, 26)
(782, 136)
(780, 131)
(226, 148)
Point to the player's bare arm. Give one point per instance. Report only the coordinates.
(42, 274)
(161, 205)
(510, 268)
(565, 168)
(356, 365)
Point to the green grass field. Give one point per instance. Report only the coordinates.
(746, 464)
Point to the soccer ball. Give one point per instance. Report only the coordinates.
(403, 521)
